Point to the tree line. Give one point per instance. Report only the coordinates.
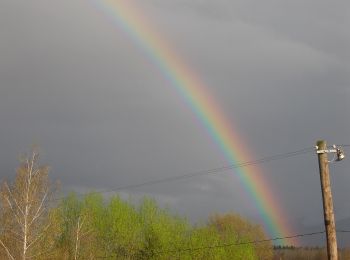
(34, 224)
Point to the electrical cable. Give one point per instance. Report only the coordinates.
(245, 243)
(343, 231)
(231, 244)
(205, 172)
(241, 243)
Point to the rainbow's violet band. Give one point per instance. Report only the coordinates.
(126, 16)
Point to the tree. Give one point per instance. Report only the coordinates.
(233, 224)
(164, 234)
(212, 245)
(24, 210)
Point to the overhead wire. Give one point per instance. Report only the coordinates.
(179, 250)
(207, 172)
(239, 243)
(204, 172)
(244, 243)
(343, 231)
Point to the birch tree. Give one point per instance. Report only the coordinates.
(24, 210)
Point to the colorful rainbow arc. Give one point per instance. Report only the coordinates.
(125, 15)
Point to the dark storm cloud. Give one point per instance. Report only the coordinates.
(104, 116)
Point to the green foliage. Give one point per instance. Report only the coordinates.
(210, 245)
(163, 234)
(119, 229)
(244, 231)
(92, 227)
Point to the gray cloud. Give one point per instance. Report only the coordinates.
(105, 117)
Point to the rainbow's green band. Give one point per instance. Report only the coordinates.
(125, 15)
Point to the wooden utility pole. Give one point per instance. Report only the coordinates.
(329, 221)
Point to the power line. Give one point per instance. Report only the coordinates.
(244, 243)
(343, 231)
(206, 172)
(240, 243)
(232, 244)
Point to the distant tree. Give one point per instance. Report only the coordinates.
(119, 229)
(207, 243)
(164, 234)
(232, 224)
(24, 211)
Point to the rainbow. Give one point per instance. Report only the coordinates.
(126, 16)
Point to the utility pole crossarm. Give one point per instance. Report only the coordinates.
(326, 151)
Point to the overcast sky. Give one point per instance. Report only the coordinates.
(77, 86)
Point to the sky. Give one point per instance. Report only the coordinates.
(76, 85)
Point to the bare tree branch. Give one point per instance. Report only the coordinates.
(7, 250)
(14, 199)
(16, 235)
(13, 211)
(38, 237)
(41, 253)
(40, 209)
